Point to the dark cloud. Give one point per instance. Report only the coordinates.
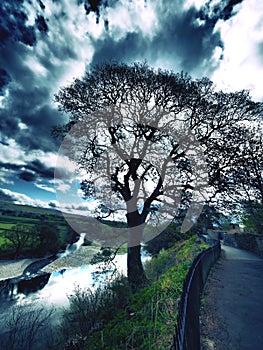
(27, 176)
(10, 166)
(96, 6)
(4, 80)
(181, 39)
(131, 47)
(31, 171)
(223, 10)
(41, 24)
(29, 98)
(41, 169)
(187, 38)
(42, 6)
(13, 25)
(30, 108)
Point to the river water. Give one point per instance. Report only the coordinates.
(60, 286)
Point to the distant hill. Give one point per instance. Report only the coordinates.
(18, 208)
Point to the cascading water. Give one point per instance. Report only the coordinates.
(73, 247)
(32, 280)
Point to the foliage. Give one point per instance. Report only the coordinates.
(48, 231)
(210, 218)
(90, 310)
(249, 169)
(34, 240)
(48, 237)
(113, 318)
(167, 238)
(18, 238)
(252, 217)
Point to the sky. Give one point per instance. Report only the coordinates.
(46, 44)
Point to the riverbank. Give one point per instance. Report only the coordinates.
(80, 257)
(15, 268)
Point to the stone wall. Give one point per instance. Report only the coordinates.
(236, 239)
(246, 241)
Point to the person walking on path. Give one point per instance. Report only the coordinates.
(232, 312)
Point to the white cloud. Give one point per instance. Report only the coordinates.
(62, 186)
(135, 16)
(12, 153)
(241, 67)
(45, 187)
(4, 177)
(83, 208)
(19, 198)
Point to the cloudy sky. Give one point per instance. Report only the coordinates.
(45, 44)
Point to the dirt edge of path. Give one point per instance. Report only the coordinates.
(212, 328)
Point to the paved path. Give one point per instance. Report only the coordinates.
(232, 316)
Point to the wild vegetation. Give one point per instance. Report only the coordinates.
(112, 317)
(27, 231)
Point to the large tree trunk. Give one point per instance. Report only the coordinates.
(136, 275)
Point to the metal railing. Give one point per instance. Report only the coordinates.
(187, 328)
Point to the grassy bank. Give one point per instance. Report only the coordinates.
(144, 320)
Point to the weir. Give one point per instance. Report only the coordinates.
(32, 280)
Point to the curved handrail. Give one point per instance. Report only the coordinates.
(187, 336)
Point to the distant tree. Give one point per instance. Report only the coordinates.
(19, 237)
(49, 238)
(252, 217)
(135, 126)
(210, 218)
(250, 170)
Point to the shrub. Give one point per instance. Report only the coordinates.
(90, 310)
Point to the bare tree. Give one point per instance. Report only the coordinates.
(18, 236)
(148, 142)
(26, 325)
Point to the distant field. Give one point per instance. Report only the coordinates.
(2, 240)
(18, 219)
(5, 226)
(13, 215)
(28, 209)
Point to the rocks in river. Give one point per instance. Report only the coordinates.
(34, 284)
(23, 284)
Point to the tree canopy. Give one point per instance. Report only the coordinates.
(148, 142)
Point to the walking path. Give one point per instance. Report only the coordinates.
(232, 314)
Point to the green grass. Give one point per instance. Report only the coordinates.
(2, 241)
(16, 215)
(28, 209)
(6, 226)
(148, 320)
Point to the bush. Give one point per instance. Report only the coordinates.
(90, 310)
(148, 320)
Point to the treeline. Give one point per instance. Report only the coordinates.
(34, 240)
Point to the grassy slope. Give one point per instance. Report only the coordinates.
(148, 321)
(13, 214)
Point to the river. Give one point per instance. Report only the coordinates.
(65, 276)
